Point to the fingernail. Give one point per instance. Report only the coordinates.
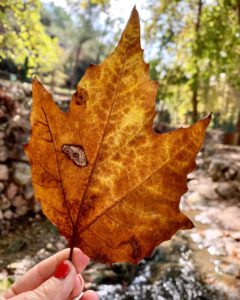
(62, 270)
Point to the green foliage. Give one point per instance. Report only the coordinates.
(5, 284)
(23, 36)
(86, 3)
(205, 59)
(58, 23)
(89, 44)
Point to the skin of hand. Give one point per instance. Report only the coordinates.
(55, 278)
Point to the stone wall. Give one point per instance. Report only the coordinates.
(16, 193)
(222, 163)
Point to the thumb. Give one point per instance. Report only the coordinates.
(58, 287)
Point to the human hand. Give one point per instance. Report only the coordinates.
(55, 278)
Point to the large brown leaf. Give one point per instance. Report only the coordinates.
(110, 185)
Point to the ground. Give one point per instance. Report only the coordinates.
(202, 263)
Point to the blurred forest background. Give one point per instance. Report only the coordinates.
(192, 46)
(193, 49)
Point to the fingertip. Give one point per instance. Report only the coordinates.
(78, 287)
(90, 295)
(80, 260)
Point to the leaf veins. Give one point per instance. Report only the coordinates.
(110, 185)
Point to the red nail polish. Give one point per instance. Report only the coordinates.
(62, 270)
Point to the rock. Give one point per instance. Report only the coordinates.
(5, 227)
(238, 174)
(22, 210)
(4, 203)
(4, 174)
(196, 237)
(12, 190)
(236, 236)
(50, 247)
(191, 176)
(2, 135)
(1, 215)
(60, 246)
(236, 186)
(38, 217)
(36, 208)
(195, 198)
(225, 190)
(42, 253)
(217, 168)
(231, 173)
(27, 89)
(28, 191)
(21, 266)
(17, 93)
(217, 249)
(22, 173)
(233, 249)
(203, 218)
(213, 233)
(8, 214)
(1, 187)
(19, 201)
(204, 187)
(230, 269)
(229, 218)
(3, 153)
(100, 274)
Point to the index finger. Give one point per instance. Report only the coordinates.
(45, 269)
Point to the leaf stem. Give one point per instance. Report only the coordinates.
(72, 244)
(71, 253)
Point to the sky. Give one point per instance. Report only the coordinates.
(118, 8)
(122, 10)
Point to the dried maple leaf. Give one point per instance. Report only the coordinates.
(110, 185)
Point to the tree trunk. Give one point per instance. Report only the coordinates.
(195, 85)
(195, 104)
(238, 128)
(238, 119)
(75, 66)
(238, 11)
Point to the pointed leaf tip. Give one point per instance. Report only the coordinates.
(206, 120)
(34, 79)
(134, 13)
(134, 9)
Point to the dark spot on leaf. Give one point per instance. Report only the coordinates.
(81, 96)
(93, 197)
(136, 253)
(76, 154)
